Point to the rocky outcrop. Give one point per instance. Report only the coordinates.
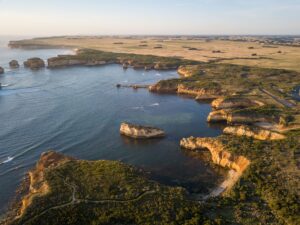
(234, 102)
(14, 64)
(34, 63)
(254, 132)
(184, 71)
(190, 70)
(134, 86)
(143, 132)
(218, 116)
(164, 86)
(173, 86)
(37, 184)
(1, 70)
(220, 155)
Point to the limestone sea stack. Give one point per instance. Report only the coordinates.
(34, 63)
(1, 70)
(140, 132)
(14, 64)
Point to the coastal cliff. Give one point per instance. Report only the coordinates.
(64, 190)
(220, 155)
(254, 132)
(234, 102)
(236, 117)
(143, 132)
(201, 92)
(38, 185)
(174, 86)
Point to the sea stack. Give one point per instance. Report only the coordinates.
(34, 63)
(1, 70)
(140, 132)
(14, 64)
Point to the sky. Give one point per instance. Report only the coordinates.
(149, 17)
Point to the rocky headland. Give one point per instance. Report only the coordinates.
(219, 154)
(62, 188)
(140, 132)
(38, 186)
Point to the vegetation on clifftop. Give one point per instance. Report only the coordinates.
(107, 192)
(268, 192)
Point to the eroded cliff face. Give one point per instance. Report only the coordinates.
(204, 92)
(143, 132)
(220, 155)
(234, 102)
(37, 184)
(234, 117)
(254, 132)
(218, 116)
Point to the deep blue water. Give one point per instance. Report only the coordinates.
(78, 111)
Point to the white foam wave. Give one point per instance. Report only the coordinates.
(154, 104)
(138, 107)
(9, 159)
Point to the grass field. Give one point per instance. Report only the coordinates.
(222, 51)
